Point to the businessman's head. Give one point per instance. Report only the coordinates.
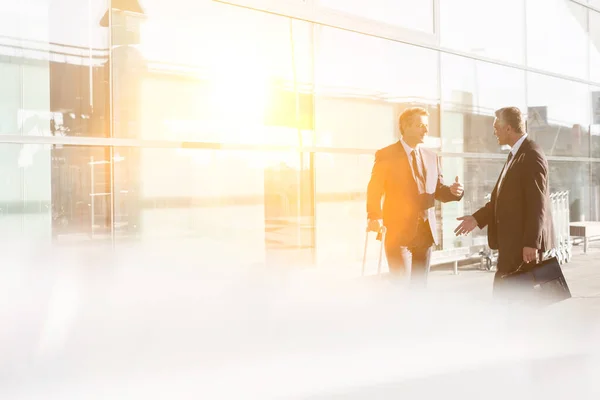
(414, 125)
(509, 125)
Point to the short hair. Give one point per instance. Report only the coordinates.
(409, 113)
(512, 117)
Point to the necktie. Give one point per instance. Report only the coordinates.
(418, 173)
(510, 155)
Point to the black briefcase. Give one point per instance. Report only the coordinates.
(541, 284)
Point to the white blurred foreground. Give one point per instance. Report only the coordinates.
(155, 323)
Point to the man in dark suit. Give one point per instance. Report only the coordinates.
(409, 178)
(518, 214)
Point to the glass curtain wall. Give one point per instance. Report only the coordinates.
(53, 83)
(197, 72)
(179, 124)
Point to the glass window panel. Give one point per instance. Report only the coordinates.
(595, 141)
(52, 73)
(85, 29)
(341, 212)
(595, 127)
(229, 73)
(211, 35)
(472, 90)
(594, 46)
(226, 207)
(595, 192)
(575, 178)
(32, 23)
(557, 37)
(415, 15)
(24, 94)
(24, 21)
(10, 98)
(25, 192)
(52, 192)
(81, 193)
(561, 125)
(479, 177)
(480, 27)
(359, 99)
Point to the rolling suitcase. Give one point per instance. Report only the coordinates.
(380, 237)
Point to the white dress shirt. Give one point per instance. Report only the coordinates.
(409, 151)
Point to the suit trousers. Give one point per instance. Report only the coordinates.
(412, 261)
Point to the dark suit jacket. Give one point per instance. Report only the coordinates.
(392, 178)
(519, 215)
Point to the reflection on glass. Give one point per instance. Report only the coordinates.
(50, 192)
(24, 98)
(472, 91)
(25, 192)
(53, 75)
(411, 14)
(340, 209)
(480, 27)
(128, 68)
(595, 127)
(557, 37)
(595, 192)
(575, 178)
(229, 207)
(594, 19)
(559, 115)
(230, 74)
(359, 99)
(479, 177)
(81, 193)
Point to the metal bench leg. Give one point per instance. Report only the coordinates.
(585, 245)
(455, 267)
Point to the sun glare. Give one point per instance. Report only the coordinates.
(240, 80)
(239, 95)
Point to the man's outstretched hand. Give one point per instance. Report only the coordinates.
(466, 226)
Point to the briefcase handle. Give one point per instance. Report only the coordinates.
(519, 269)
(523, 263)
(380, 236)
(538, 260)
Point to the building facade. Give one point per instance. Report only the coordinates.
(244, 131)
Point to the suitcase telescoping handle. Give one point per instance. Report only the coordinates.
(381, 237)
